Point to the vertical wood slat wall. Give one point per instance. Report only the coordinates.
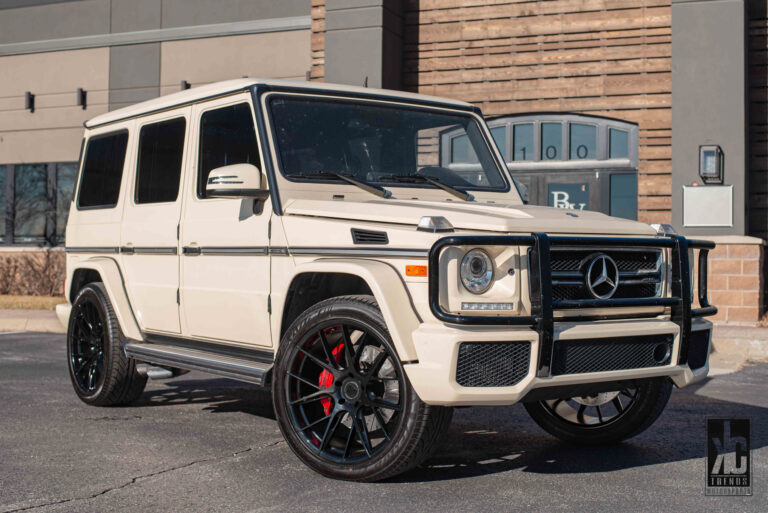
(603, 57)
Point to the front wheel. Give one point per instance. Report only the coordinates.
(604, 418)
(342, 399)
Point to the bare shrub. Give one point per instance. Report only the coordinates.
(39, 273)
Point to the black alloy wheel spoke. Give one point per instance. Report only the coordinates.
(306, 382)
(333, 417)
(317, 360)
(315, 396)
(599, 413)
(580, 414)
(87, 346)
(381, 422)
(327, 349)
(617, 404)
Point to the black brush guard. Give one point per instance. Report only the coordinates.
(542, 304)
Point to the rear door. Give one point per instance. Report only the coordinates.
(225, 263)
(149, 242)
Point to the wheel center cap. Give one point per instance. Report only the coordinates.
(351, 390)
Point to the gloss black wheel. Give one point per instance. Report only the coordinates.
(101, 374)
(342, 398)
(606, 417)
(86, 354)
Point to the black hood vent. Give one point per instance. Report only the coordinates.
(369, 237)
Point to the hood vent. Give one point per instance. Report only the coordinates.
(369, 237)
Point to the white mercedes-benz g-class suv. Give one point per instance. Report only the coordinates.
(316, 239)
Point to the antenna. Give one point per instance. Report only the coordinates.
(365, 84)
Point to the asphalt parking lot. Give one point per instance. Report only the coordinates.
(198, 443)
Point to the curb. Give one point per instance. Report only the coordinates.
(30, 320)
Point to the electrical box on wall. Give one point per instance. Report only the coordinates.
(711, 164)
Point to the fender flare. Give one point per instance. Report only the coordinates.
(112, 279)
(388, 289)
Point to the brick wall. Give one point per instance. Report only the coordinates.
(735, 280)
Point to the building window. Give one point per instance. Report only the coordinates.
(618, 144)
(161, 146)
(522, 142)
(35, 201)
(3, 171)
(583, 141)
(66, 176)
(30, 203)
(551, 141)
(624, 196)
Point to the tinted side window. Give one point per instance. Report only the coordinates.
(161, 146)
(227, 136)
(102, 171)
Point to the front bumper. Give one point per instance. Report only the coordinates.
(437, 345)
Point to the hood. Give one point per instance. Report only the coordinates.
(485, 217)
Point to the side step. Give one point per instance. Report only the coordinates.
(242, 369)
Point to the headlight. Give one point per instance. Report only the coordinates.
(476, 271)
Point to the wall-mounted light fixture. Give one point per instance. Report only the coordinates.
(82, 97)
(185, 85)
(29, 101)
(711, 164)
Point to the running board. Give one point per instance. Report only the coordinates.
(192, 359)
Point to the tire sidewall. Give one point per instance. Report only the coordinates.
(357, 312)
(95, 295)
(652, 397)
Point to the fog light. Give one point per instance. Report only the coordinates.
(486, 306)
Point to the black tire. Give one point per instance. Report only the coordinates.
(101, 374)
(647, 402)
(406, 435)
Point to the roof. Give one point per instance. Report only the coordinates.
(200, 93)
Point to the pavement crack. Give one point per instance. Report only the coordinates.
(144, 477)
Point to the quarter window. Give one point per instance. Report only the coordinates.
(103, 171)
(161, 146)
(522, 142)
(583, 141)
(227, 136)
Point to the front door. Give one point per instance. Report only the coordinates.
(225, 242)
(149, 240)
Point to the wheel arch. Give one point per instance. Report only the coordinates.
(106, 271)
(352, 276)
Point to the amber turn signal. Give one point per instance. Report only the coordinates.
(415, 270)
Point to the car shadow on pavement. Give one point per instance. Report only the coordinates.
(509, 440)
(679, 434)
(218, 395)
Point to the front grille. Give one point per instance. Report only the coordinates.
(611, 354)
(640, 272)
(492, 364)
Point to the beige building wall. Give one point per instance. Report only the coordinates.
(269, 55)
(53, 131)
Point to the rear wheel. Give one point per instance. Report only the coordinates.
(343, 401)
(604, 418)
(101, 374)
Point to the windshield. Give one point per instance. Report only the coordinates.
(388, 145)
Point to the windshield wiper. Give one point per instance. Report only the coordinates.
(325, 175)
(464, 195)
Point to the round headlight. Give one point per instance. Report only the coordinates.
(476, 271)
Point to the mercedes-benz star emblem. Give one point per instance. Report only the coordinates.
(602, 277)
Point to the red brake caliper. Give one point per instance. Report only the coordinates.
(326, 379)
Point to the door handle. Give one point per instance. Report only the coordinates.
(192, 250)
(127, 249)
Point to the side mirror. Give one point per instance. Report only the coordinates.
(235, 181)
